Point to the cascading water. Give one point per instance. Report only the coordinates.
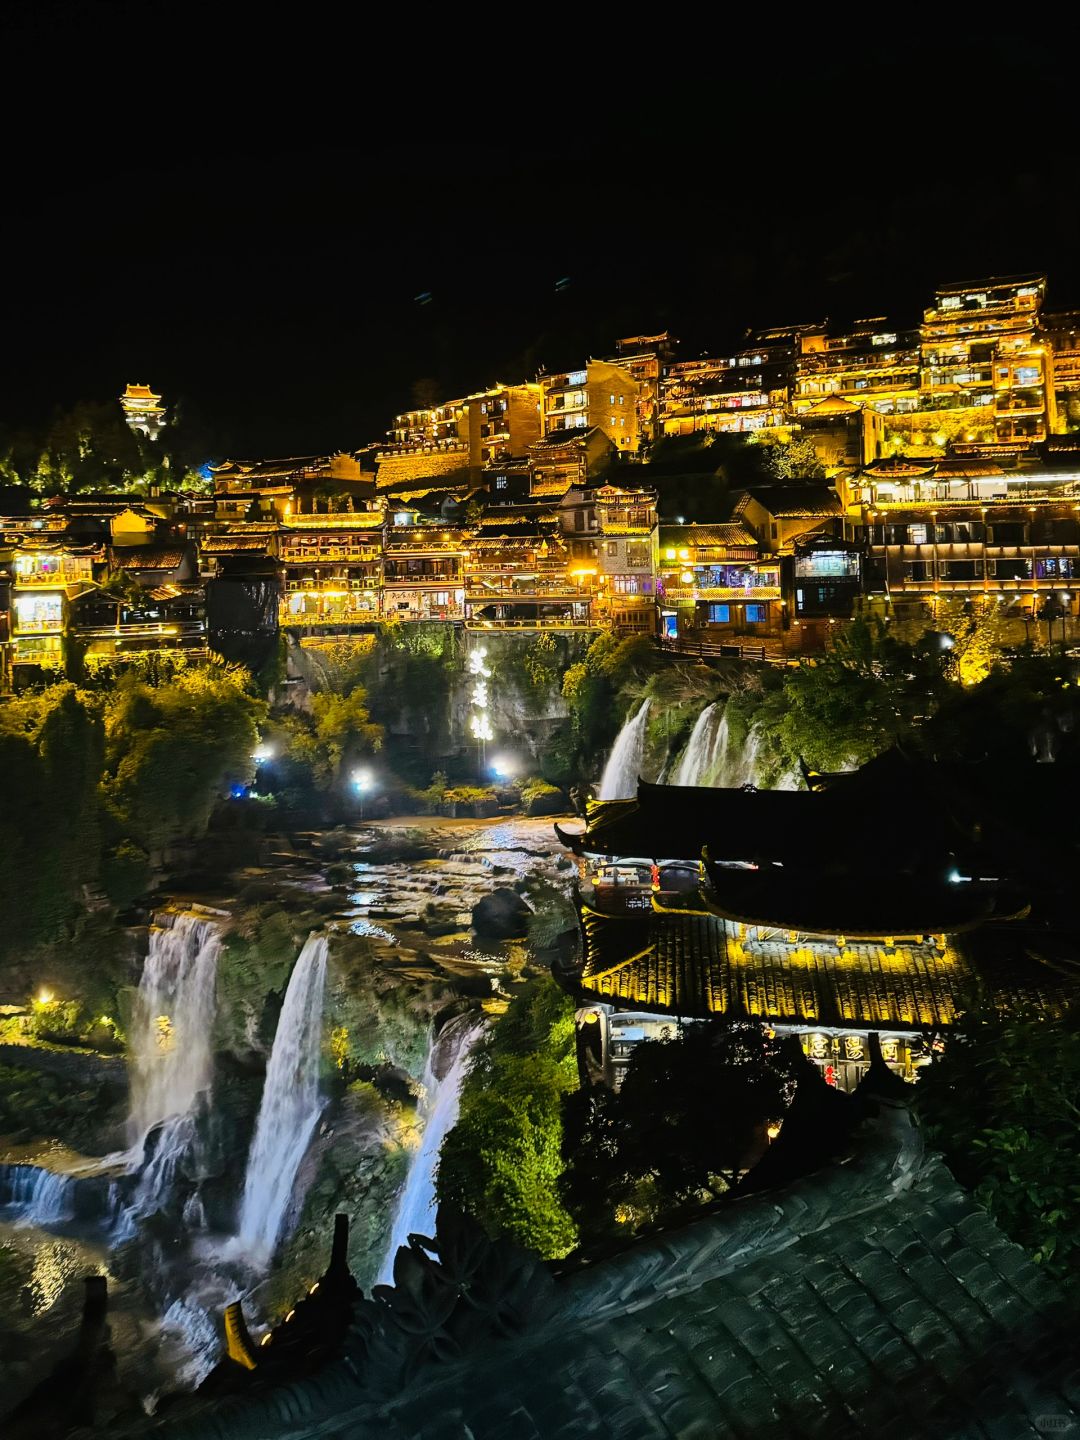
(37, 1196)
(290, 1105)
(172, 1059)
(699, 758)
(620, 777)
(415, 1213)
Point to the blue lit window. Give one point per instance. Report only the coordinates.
(755, 614)
(719, 614)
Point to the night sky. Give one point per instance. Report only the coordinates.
(287, 250)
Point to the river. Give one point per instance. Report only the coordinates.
(406, 889)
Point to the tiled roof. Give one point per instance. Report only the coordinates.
(792, 502)
(870, 1300)
(694, 964)
(147, 557)
(733, 534)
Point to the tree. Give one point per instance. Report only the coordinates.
(173, 751)
(859, 698)
(794, 460)
(344, 732)
(1000, 1102)
(502, 1161)
(691, 1114)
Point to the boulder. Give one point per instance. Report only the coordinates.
(502, 915)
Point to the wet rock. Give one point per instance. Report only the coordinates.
(502, 915)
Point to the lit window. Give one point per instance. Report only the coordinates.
(612, 398)
(622, 399)
(755, 614)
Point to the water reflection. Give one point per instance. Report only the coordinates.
(56, 1264)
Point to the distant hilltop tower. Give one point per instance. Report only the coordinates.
(143, 410)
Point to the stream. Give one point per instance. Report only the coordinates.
(149, 1218)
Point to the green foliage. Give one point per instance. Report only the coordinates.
(174, 749)
(502, 1160)
(1001, 1103)
(535, 788)
(597, 690)
(344, 732)
(692, 1111)
(793, 460)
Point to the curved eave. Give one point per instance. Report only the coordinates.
(806, 922)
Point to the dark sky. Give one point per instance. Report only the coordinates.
(262, 246)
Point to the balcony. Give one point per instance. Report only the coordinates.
(721, 592)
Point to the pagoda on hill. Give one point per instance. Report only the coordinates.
(143, 410)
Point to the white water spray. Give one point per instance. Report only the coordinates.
(37, 1196)
(415, 1213)
(700, 756)
(172, 1056)
(620, 778)
(290, 1107)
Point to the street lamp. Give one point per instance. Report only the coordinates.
(362, 782)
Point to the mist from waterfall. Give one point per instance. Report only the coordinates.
(290, 1106)
(415, 1213)
(620, 778)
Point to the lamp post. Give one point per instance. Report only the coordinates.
(362, 782)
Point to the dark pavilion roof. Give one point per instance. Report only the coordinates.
(691, 963)
(868, 1300)
(853, 904)
(678, 822)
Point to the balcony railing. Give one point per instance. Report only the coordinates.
(722, 592)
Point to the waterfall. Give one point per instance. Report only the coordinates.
(36, 1195)
(698, 759)
(172, 1060)
(620, 777)
(415, 1213)
(290, 1105)
(172, 1055)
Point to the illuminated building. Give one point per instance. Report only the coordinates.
(601, 396)
(161, 607)
(270, 489)
(970, 528)
(985, 364)
(485, 428)
(875, 364)
(332, 568)
(143, 410)
(520, 576)
(567, 458)
(1062, 332)
(844, 434)
(644, 358)
(47, 578)
(718, 395)
(711, 583)
(787, 922)
(626, 548)
(424, 571)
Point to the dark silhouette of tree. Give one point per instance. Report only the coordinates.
(692, 1113)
